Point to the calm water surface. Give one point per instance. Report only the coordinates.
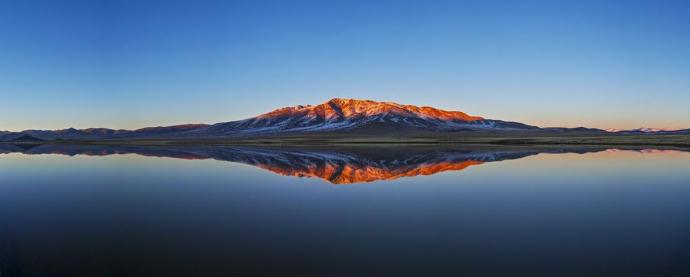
(221, 211)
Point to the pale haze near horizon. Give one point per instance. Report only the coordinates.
(133, 64)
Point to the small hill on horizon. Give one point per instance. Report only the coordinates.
(21, 137)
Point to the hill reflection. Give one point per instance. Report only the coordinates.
(337, 165)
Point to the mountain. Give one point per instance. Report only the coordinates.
(650, 131)
(576, 129)
(352, 115)
(677, 132)
(334, 118)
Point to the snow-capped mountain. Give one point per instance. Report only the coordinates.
(646, 130)
(349, 114)
(652, 130)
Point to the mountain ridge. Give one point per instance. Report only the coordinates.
(348, 114)
(335, 116)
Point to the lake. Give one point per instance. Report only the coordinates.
(375, 210)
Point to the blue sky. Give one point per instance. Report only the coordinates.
(131, 64)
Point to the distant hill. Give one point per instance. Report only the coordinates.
(26, 138)
(651, 131)
(104, 133)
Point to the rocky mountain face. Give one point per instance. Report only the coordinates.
(350, 114)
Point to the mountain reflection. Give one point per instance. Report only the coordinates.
(337, 165)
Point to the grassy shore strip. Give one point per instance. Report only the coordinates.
(629, 140)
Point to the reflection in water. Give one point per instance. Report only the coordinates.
(611, 213)
(337, 165)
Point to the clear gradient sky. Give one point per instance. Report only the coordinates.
(131, 64)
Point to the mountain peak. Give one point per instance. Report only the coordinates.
(352, 101)
(341, 100)
(346, 108)
(371, 107)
